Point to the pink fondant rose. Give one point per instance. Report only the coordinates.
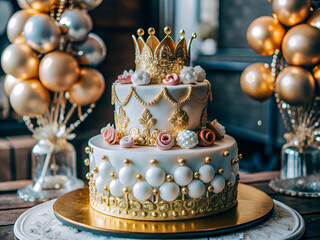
(164, 141)
(126, 142)
(206, 137)
(171, 79)
(217, 128)
(109, 134)
(125, 77)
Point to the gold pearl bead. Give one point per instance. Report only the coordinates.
(220, 170)
(207, 160)
(139, 177)
(88, 150)
(151, 31)
(134, 213)
(155, 191)
(96, 170)
(167, 30)
(233, 161)
(184, 212)
(93, 182)
(193, 212)
(154, 162)
(196, 175)
(106, 188)
(113, 175)
(144, 214)
(174, 213)
(225, 153)
(182, 32)
(229, 184)
(210, 188)
(184, 190)
(87, 162)
(140, 32)
(126, 190)
(169, 178)
(240, 156)
(164, 215)
(89, 175)
(126, 161)
(181, 162)
(194, 35)
(104, 158)
(154, 214)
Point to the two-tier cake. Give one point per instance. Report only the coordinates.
(162, 160)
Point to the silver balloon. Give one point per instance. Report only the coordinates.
(78, 22)
(89, 4)
(92, 51)
(41, 33)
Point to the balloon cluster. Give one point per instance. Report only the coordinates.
(292, 36)
(51, 57)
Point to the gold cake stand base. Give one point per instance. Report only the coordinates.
(254, 206)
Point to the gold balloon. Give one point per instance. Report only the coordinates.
(291, 12)
(41, 5)
(301, 46)
(29, 98)
(58, 71)
(257, 81)
(20, 61)
(9, 83)
(16, 23)
(316, 75)
(264, 35)
(295, 85)
(314, 19)
(89, 88)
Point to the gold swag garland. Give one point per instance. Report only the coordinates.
(163, 92)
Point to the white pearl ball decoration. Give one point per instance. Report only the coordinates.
(142, 191)
(207, 173)
(226, 166)
(116, 188)
(105, 169)
(218, 183)
(183, 175)
(235, 169)
(196, 189)
(232, 179)
(155, 176)
(169, 191)
(127, 176)
(100, 184)
(187, 139)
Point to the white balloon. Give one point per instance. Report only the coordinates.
(100, 184)
(116, 188)
(105, 169)
(183, 175)
(142, 191)
(196, 189)
(127, 175)
(218, 183)
(232, 179)
(155, 176)
(207, 173)
(169, 191)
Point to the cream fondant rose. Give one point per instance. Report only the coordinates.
(201, 73)
(188, 75)
(217, 128)
(171, 79)
(141, 77)
(109, 134)
(127, 142)
(125, 77)
(164, 141)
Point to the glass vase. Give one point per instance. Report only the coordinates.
(53, 171)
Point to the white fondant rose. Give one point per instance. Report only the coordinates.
(201, 73)
(188, 75)
(141, 77)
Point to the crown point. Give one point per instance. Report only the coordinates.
(194, 35)
(167, 30)
(151, 31)
(140, 32)
(182, 32)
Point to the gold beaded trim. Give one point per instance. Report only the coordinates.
(178, 209)
(163, 92)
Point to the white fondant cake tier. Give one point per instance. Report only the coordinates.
(154, 108)
(146, 174)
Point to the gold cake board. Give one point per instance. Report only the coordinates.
(254, 206)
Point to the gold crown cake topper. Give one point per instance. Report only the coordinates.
(161, 58)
